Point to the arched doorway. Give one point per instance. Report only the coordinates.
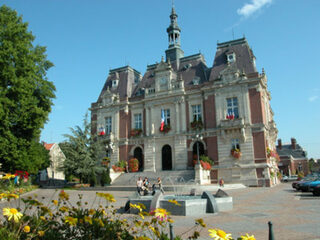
(194, 150)
(166, 158)
(139, 155)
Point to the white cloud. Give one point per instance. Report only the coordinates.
(313, 98)
(249, 8)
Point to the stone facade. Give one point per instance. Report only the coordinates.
(229, 100)
(57, 157)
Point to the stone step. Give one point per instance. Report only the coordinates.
(167, 177)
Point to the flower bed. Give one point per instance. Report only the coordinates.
(60, 219)
(133, 165)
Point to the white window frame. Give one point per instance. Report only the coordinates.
(137, 120)
(108, 121)
(114, 83)
(196, 112)
(235, 143)
(166, 116)
(233, 107)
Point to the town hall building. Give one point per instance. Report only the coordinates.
(221, 111)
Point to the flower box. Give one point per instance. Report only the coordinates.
(118, 169)
(135, 132)
(196, 125)
(205, 165)
(166, 128)
(236, 153)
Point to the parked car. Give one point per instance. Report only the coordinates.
(309, 186)
(316, 190)
(289, 178)
(308, 178)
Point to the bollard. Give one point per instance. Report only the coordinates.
(171, 232)
(271, 237)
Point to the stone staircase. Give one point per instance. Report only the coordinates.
(127, 181)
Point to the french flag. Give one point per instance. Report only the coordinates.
(101, 131)
(162, 120)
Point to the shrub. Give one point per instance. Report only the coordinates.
(105, 177)
(133, 165)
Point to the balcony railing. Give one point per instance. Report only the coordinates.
(234, 123)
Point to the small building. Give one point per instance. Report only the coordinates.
(56, 158)
(293, 158)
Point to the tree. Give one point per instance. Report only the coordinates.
(81, 151)
(25, 94)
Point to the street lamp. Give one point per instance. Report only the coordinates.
(198, 138)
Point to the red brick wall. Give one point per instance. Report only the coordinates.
(259, 146)
(255, 106)
(123, 152)
(304, 165)
(209, 112)
(124, 124)
(212, 148)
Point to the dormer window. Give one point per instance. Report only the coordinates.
(114, 83)
(196, 81)
(231, 57)
(136, 79)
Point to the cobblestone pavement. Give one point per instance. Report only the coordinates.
(295, 215)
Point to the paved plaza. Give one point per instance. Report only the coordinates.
(295, 215)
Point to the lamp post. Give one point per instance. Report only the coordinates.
(197, 138)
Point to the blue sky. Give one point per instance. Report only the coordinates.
(87, 38)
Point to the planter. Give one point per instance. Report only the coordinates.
(236, 154)
(135, 132)
(118, 169)
(196, 125)
(166, 129)
(133, 165)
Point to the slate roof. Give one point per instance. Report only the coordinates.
(287, 150)
(190, 67)
(126, 76)
(244, 57)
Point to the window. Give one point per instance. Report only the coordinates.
(196, 112)
(231, 57)
(232, 107)
(114, 83)
(138, 121)
(196, 81)
(166, 116)
(108, 125)
(235, 143)
(136, 79)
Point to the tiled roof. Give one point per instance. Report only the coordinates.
(287, 150)
(48, 146)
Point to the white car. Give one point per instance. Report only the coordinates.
(289, 178)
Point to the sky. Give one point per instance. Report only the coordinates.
(87, 38)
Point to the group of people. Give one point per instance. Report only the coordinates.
(143, 186)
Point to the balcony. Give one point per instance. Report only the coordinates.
(232, 124)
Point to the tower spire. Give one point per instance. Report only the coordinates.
(173, 52)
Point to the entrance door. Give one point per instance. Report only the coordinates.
(139, 155)
(166, 158)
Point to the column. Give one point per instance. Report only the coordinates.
(183, 116)
(177, 117)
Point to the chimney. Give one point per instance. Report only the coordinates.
(293, 143)
(279, 143)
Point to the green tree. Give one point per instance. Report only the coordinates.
(81, 151)
(25, 94)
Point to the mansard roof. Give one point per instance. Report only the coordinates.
(189, 67)
(243, 53)
(126, 81)
(287, 150)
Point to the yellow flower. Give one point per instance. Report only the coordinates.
(72, 221)
(55, 202)
(63, 195)
(218, 234)
(8, 176)
(170, 220)
(248, 237)
(109, 197)
(161, 214)
(200, 222)
(12, 213)
(12, 195)
(142, 238)
(91, 212)
(41, 233)
(42, 218)
(64, 209)
(136, 206)
(88, 219)
(174, 202)
(99, 221)
(141, 215)
(26, 229)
